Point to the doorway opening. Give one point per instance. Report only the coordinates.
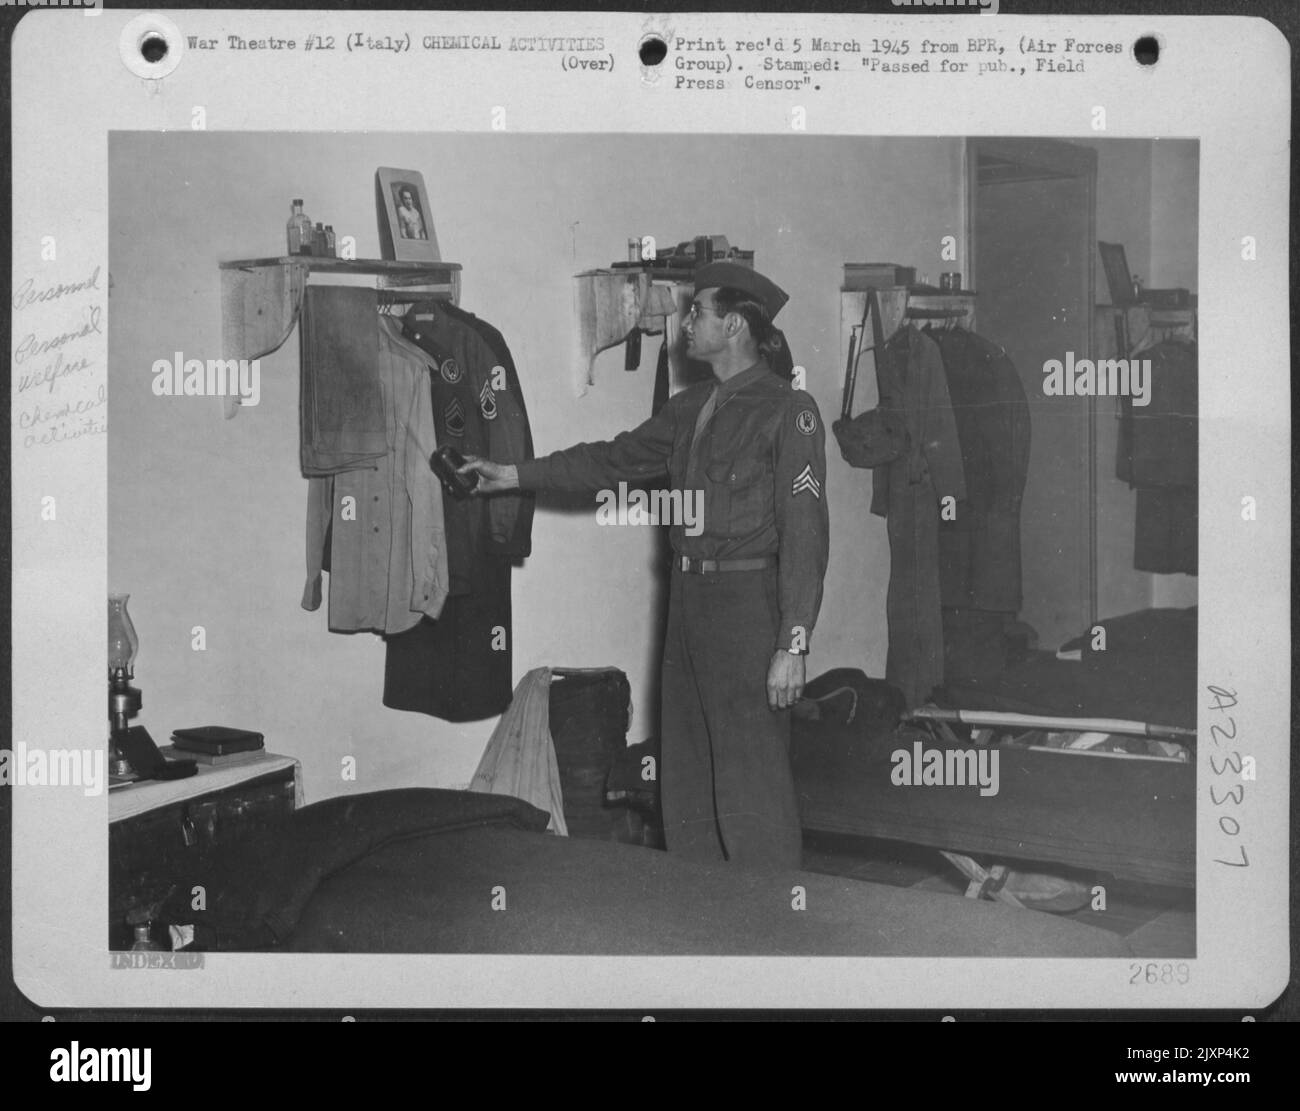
(1031, 252)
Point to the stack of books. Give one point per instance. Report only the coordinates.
(218, 745)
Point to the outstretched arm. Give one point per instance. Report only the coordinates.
(635, 456)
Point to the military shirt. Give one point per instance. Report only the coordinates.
(760, 464)
(387, 557)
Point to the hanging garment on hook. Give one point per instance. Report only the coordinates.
(909, 491)
(979, 550)
(341, 404)
(515, 541)
(478, 409)
(1158, 455)
(459, 667)
(379, 530)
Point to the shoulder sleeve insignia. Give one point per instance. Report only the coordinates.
(450, 371)
(806, 422)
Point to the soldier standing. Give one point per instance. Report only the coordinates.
(745, 591)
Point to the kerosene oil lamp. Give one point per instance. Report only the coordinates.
(123, 699)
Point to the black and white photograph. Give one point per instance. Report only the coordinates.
(851, 574)
(410, 219)
(766, 533)
(405, 231)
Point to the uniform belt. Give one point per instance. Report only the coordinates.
(708, 566)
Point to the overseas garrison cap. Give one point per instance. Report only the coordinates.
(739, 277)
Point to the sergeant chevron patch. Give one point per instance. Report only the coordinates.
(453, 418)
(805, 480)
(487, 402)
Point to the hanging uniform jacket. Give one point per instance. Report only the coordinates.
(478, 412)
(1158, 456)
(460, 666)
(518, 542)
(910, 440)
(979, 551)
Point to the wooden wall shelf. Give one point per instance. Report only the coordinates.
(437, 271)
(261, 297)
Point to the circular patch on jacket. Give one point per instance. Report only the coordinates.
(450, 371)
(806, 422)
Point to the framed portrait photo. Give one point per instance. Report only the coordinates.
(406, 231)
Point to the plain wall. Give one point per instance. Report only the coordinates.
(1175, 188)
(207, 515)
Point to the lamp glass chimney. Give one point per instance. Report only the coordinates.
(122, 640)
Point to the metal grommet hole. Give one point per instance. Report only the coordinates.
(1147, 50)
(652, 50)
(153, 48)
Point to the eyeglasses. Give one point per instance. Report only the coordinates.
(694, 312)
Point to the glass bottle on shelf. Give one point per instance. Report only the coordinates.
(299, 230)
(331, 246)
(318, 241)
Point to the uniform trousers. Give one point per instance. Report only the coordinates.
(456, 668)
(727, 791)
